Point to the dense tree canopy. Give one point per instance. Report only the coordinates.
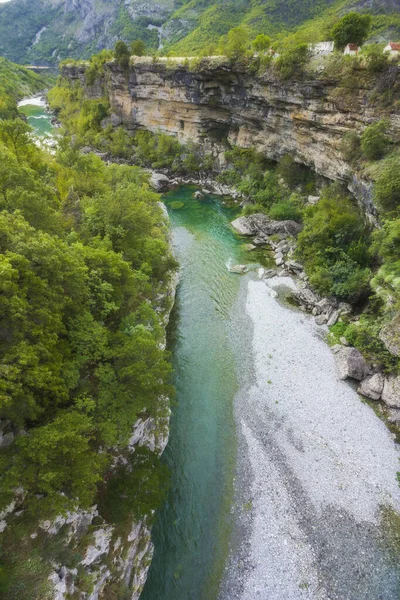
(333, 247)
(353, 28)
(84, 255)
(261, 43)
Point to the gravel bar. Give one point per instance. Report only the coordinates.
(316, 467)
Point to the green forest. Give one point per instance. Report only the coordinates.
(42, 32)
(87, 267)
(86, 271)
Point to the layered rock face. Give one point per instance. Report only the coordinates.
(220, 106)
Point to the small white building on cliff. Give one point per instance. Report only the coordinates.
(351, 49)
(393, 48)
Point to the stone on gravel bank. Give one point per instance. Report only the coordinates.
(391, 391)
(350, 363)
(372, 386)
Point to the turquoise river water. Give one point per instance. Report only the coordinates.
(191, 535)
(38, 118)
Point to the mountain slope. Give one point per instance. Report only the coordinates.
(15, 83)
(46, 31)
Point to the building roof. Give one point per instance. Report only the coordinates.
(394, 46)
(352, 46)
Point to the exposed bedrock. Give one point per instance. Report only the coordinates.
(218, 105)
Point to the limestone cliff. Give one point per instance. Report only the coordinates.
(219, 106)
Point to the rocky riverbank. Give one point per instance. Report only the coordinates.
(316, 467)
(372, 382)
(162, 182)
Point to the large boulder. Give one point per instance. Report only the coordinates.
(390, 335)
(391, 391)
(372, 386)
(159, 182)
(261, 224)
(305, 297)
(242, 226)
(350, 363)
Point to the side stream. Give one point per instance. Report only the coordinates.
(191, 535)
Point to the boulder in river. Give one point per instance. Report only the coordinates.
(239, 269)
(261, 224)
(242, 226)
(391, 391)
(350, 363)
(372, 386)
(159, 182)
(198, 195)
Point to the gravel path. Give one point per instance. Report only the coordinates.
(315, 467)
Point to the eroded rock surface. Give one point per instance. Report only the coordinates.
(217, 103)
(372, 386)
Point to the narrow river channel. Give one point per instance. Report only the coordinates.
(192, 533)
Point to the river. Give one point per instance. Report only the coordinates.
(192, 533)
(39, 119)
(283, 482)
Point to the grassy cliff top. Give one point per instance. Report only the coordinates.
(47, 31)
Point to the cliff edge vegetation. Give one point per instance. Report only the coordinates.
(47, 31)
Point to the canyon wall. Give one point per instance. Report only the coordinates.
(218, 106)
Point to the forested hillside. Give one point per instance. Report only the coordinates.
(85, 265)
(47, 31)
(16, 82)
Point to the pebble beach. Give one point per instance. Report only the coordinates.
(318, 466)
